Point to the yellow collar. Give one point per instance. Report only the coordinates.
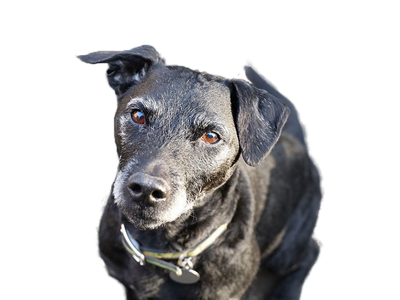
(142, 255)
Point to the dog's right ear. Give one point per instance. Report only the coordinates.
(126, 68)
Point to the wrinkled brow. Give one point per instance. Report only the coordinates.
(142, 102)
(209, 121)
(149, 106)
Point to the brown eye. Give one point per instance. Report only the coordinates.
(211, 138)
(138, 116)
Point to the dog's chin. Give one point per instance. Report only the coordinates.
(144, 224)
(148, 218)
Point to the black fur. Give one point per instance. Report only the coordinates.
(201, 186)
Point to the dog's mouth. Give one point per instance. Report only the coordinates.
(145, 216)
(141, 216)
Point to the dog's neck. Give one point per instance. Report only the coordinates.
(191, 229)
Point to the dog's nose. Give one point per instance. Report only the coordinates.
(147, 189)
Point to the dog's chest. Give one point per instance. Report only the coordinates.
(222, 274)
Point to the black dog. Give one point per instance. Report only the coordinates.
(188, 143)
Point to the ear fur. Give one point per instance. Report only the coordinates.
(260, 118)
(126, 68)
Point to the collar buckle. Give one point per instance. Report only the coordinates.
(185, 262)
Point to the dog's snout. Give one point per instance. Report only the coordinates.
(147, 189)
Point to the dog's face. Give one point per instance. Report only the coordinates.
(176, 140)
(179, 133)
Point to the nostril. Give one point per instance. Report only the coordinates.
(158, 195)
(135, 188)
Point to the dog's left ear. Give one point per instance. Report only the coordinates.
(126, 68)
(259, 119)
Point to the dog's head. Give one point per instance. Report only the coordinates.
(180, 133)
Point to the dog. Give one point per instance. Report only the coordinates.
(215, 196)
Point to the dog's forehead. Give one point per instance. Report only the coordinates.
(178, 87)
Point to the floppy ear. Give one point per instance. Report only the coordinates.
(126, 68)
(259, 120)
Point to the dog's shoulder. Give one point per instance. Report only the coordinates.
(293, 165)
(277, 185)
(285, 165)
(289, 148)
